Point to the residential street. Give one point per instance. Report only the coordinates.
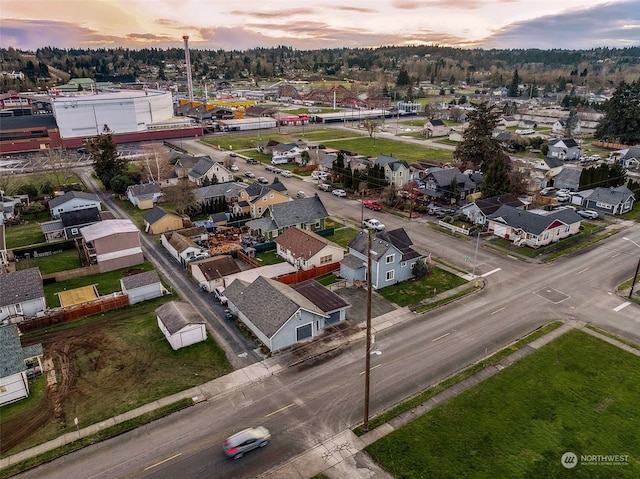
(303, 407)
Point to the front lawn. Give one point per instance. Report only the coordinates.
(413, 291)
(27, 233)
(343, 236)
(577, 394)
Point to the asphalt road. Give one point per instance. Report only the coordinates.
(303, 408)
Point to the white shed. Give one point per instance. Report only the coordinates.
(142, 286)
(181, 324)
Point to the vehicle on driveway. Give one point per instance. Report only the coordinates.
(248, 174)
(339, 192)
(590, 214)
(373, 224)
(562, 197)
(246, 440)
(546, 191)
(372, 205)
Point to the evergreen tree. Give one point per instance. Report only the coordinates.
(106, 161)
(621, 121)
(571, 123)
(496, 180)
(478, 146)
(403, 78)
(514, 88)
(338, 166)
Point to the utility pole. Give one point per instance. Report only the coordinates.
(635, 277)
(367, 369)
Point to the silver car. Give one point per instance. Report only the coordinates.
(246, 440)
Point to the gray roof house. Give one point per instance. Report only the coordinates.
(614, 201)
(206, 168)
(280, 315)
(73, 200)
(16, 363)
(477, 212)
(228, 191)
(181, 324)
(396, 171)
(526, 228)
(627, 157)
(21, 295)
(438, 184)
(144, 195)
(565, 149)
(304, 213)
(69, 224)
(567, 178)
(392, 259)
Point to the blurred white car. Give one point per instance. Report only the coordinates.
(287, 174)
(592, 215)
(373, 224)
(339, 193)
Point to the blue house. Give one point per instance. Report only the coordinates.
(392, 261)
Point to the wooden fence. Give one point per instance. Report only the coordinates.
(300, 276)
(63, 315)
(71, 274)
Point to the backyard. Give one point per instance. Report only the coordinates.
(577, 394)
(105, 365)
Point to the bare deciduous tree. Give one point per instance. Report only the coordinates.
(155, 164)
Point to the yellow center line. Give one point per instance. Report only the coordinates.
(162, 462)
(279, 410)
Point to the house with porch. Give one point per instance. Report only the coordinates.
(288, 152)
(209, 171)
(392, 258)
(306, 249)
(525, 228)
(211, 194)
(560, 126)
(280, 315)
(435, 127)
(478, 211)
(614, 201)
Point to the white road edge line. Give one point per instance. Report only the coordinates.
(376, 366)
(498, 310)
(582, 271)
(162, 462)
(279, 410)
(622, 306)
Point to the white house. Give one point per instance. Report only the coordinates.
(21, 295)
(206, 169)
(396, 171)
(144, 196)
(560, 126)
(73, 200)
(182, 248)
(288, 152)
(210, 273)
(306, 249)
(181, 324)
(142, 286)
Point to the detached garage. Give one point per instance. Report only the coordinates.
(181, 324)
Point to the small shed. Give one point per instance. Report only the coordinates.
(181, 324)
(142, 286)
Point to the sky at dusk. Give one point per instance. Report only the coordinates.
(317, 24)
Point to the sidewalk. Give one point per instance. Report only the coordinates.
(340, 456)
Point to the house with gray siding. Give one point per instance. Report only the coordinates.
(392, 258)
(567, 178)
(614, 201)
(477, 212)
(21, 295)
(565, 149)
(280, 315)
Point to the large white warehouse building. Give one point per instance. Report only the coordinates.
(85, 114)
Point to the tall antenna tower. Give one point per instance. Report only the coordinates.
(187, 59)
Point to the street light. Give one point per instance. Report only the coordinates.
(635, 276)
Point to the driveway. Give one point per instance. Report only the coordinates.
(357, 297)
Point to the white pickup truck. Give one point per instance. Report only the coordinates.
(219, 294)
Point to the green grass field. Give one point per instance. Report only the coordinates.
(63, 261)
(577, 394)
(27, 233)
(411, 292)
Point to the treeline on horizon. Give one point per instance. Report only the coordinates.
(596, 68)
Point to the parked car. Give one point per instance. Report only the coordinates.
(234, 168)
(246, 440)
(280, 161)
(442, 212)
(339, 192)
(325, 187)
(590, 214)
(546, 191)
(219, 294)
(263, 180)
(301, 194)
(373, 224)
(562, 197)
(269, 167)
(287, 174)
(372, 205)
(228, 314)
(248, 174)
(232, 155)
